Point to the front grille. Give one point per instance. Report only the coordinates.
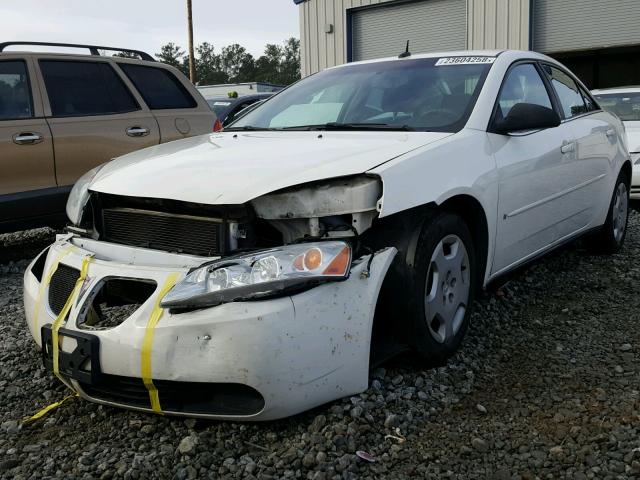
(61, 286)
(179, 397)
(163, 231)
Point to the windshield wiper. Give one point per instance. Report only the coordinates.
(249, 128)
(351, 126)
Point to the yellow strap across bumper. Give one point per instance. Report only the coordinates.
(62, 316)
(147, 344)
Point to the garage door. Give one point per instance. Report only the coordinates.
(561, 26)
(429, 25)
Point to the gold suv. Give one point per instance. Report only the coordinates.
(63, 114)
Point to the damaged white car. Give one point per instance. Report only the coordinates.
(259, 272)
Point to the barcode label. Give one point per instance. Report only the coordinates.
(464, 60)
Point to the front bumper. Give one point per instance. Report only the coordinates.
(295, 352)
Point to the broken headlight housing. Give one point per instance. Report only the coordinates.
(261, 274)
(79, 195)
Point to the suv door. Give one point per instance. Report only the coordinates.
(26, 162)
(92, 114)
(596, 142)
(535, 172)
(178, 107)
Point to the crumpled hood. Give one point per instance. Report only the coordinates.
(633, 136)
(233, 168)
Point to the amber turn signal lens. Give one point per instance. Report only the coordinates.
(298, 263)
(217, 126)
(340, 264)
(312, 259)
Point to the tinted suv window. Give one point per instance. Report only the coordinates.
(568, 92)
(522, 85)
(77, 88)
(159, 87)
(15, 94)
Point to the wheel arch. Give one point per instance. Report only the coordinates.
(474, 215)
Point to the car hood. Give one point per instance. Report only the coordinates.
(633, 136)
(233, 168)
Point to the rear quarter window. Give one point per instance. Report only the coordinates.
(159, 88)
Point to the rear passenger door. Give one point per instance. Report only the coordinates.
(596, 143)
(92, 115)
(26, 159)
(180, 111)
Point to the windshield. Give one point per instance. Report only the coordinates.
(422, 94)
(625, 105)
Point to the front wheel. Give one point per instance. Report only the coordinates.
(443, 287)
(610, 238)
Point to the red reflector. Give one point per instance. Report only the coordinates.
(217, 126)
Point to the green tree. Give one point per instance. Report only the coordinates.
(235, 60)
(173, 55)
(290, 64)
(208, 69)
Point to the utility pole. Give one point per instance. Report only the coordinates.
(192, 62)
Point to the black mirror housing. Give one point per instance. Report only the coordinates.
(527, 116)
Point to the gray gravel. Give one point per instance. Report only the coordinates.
(546, 385)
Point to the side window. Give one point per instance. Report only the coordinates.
(590, 105)
(78, 88)
(159, 87)
(568, 92)
(522, 85)
(15, 93)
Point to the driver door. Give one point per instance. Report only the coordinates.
(535, 170)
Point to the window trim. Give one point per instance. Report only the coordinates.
(581, 88)
(105, 62)
(124, 65)
(31, 103)
(494, 112)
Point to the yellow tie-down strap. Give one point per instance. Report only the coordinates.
(61, 318)
(46, 281)
(147, 343)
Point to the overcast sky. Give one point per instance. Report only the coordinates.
(148, 24)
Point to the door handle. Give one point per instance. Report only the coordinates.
(568, 147)
(27, 138)
(610, 133)
(137, 131)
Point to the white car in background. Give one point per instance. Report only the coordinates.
(625, 103)
(251, 274)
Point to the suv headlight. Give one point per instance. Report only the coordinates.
(80, 195)
(261, 274)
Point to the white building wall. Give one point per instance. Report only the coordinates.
(490, 24)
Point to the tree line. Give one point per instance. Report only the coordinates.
(279, 64)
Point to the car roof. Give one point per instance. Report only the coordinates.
(629, 89)
(512, 54)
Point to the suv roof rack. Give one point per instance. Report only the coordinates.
(94, 49)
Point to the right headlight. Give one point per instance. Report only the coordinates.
(261, 274)
(80, 195)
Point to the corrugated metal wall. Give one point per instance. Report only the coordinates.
(436, 25)
(491, 24)
(577, 24)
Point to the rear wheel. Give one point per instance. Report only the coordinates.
(610, 238)
(442, 286)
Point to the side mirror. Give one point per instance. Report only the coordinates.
(527, 116)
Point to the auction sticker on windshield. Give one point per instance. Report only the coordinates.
(464, 60)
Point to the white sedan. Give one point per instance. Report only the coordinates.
(625, 102)
(252, 274)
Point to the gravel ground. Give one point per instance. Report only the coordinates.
(546, 385)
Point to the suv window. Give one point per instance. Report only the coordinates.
(159, 87)
(522, 85)
(78, 88)
(15, 94)
(568, 92)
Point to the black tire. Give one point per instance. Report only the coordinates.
(609, 240)
(428, 345)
